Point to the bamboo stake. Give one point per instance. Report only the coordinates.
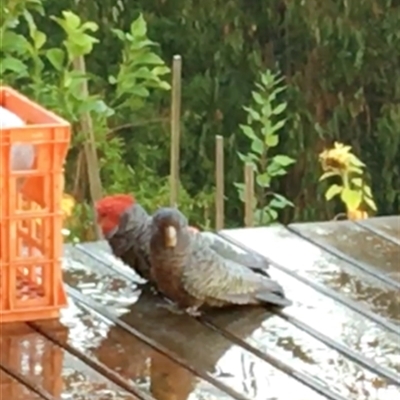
(175, 129)
(92, 162)
(219, 183)
(248, 195)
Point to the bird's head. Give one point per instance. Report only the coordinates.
(170, 222)
(109, 211)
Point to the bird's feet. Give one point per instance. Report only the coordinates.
(171, 307)
(193, 311)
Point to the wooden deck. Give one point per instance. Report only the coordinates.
(340, 340)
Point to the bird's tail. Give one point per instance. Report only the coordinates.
(275, 299)
(273, 293)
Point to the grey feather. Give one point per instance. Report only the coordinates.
(194, 269)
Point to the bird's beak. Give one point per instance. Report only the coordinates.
(170, 236)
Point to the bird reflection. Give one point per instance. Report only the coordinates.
(200, 346)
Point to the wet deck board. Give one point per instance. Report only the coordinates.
(47, 366)
(10, 388)
(360, 247)
(340, 339)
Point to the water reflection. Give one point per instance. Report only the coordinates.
(26, 352)
(49, 367)
(12, 389)
(152, 371)
(201, 347)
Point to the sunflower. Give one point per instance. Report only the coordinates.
(338, 159)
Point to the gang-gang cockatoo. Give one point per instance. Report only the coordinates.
(189, 272)
(126, 226)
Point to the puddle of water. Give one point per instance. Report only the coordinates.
(357, 243)
(12, 389)
(320, 266)
(324, 314)
(132, 359)
(303, 352)
(50, 367)
(206, 349)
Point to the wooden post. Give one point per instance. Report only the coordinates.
(92, 161)
(175, 129)
(219, 183)
(248, 195)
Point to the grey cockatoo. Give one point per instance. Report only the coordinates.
(188, 271)
(126, 225)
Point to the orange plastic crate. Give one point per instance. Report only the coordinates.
(31, 216)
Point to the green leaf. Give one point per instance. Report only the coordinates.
(333, 191)
(239, 185)
(355, 161)
(283, 160)
(257, 146)
(355, 170)
(148, 58)
(89, 26)
(358, 182)
(240, 189)
(164, 85)
(254, 114)
(39, 39)
(367, 191)
(266, 110)
(161, 70)
(12, 42)
(275, 169)
(72, 21)
(140, 91)
(327, 175)
(249, 157)
(267, 79)
(273, 95)
(272, 140)
(13, 64)
(279, 109)
(248, 131)
(56, 58)
(273, 214)
(139, 27)
(352, 198)
(370, 203)
(263, 180)
(280, 124)
(282, 200)
(119, 34)
(142, 73)
(97, 106)
(258, 98)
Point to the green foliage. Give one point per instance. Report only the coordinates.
(339, 61)
(265, 121)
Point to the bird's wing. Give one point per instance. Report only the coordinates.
(132, 252)
(231, 252)
(209, 276)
